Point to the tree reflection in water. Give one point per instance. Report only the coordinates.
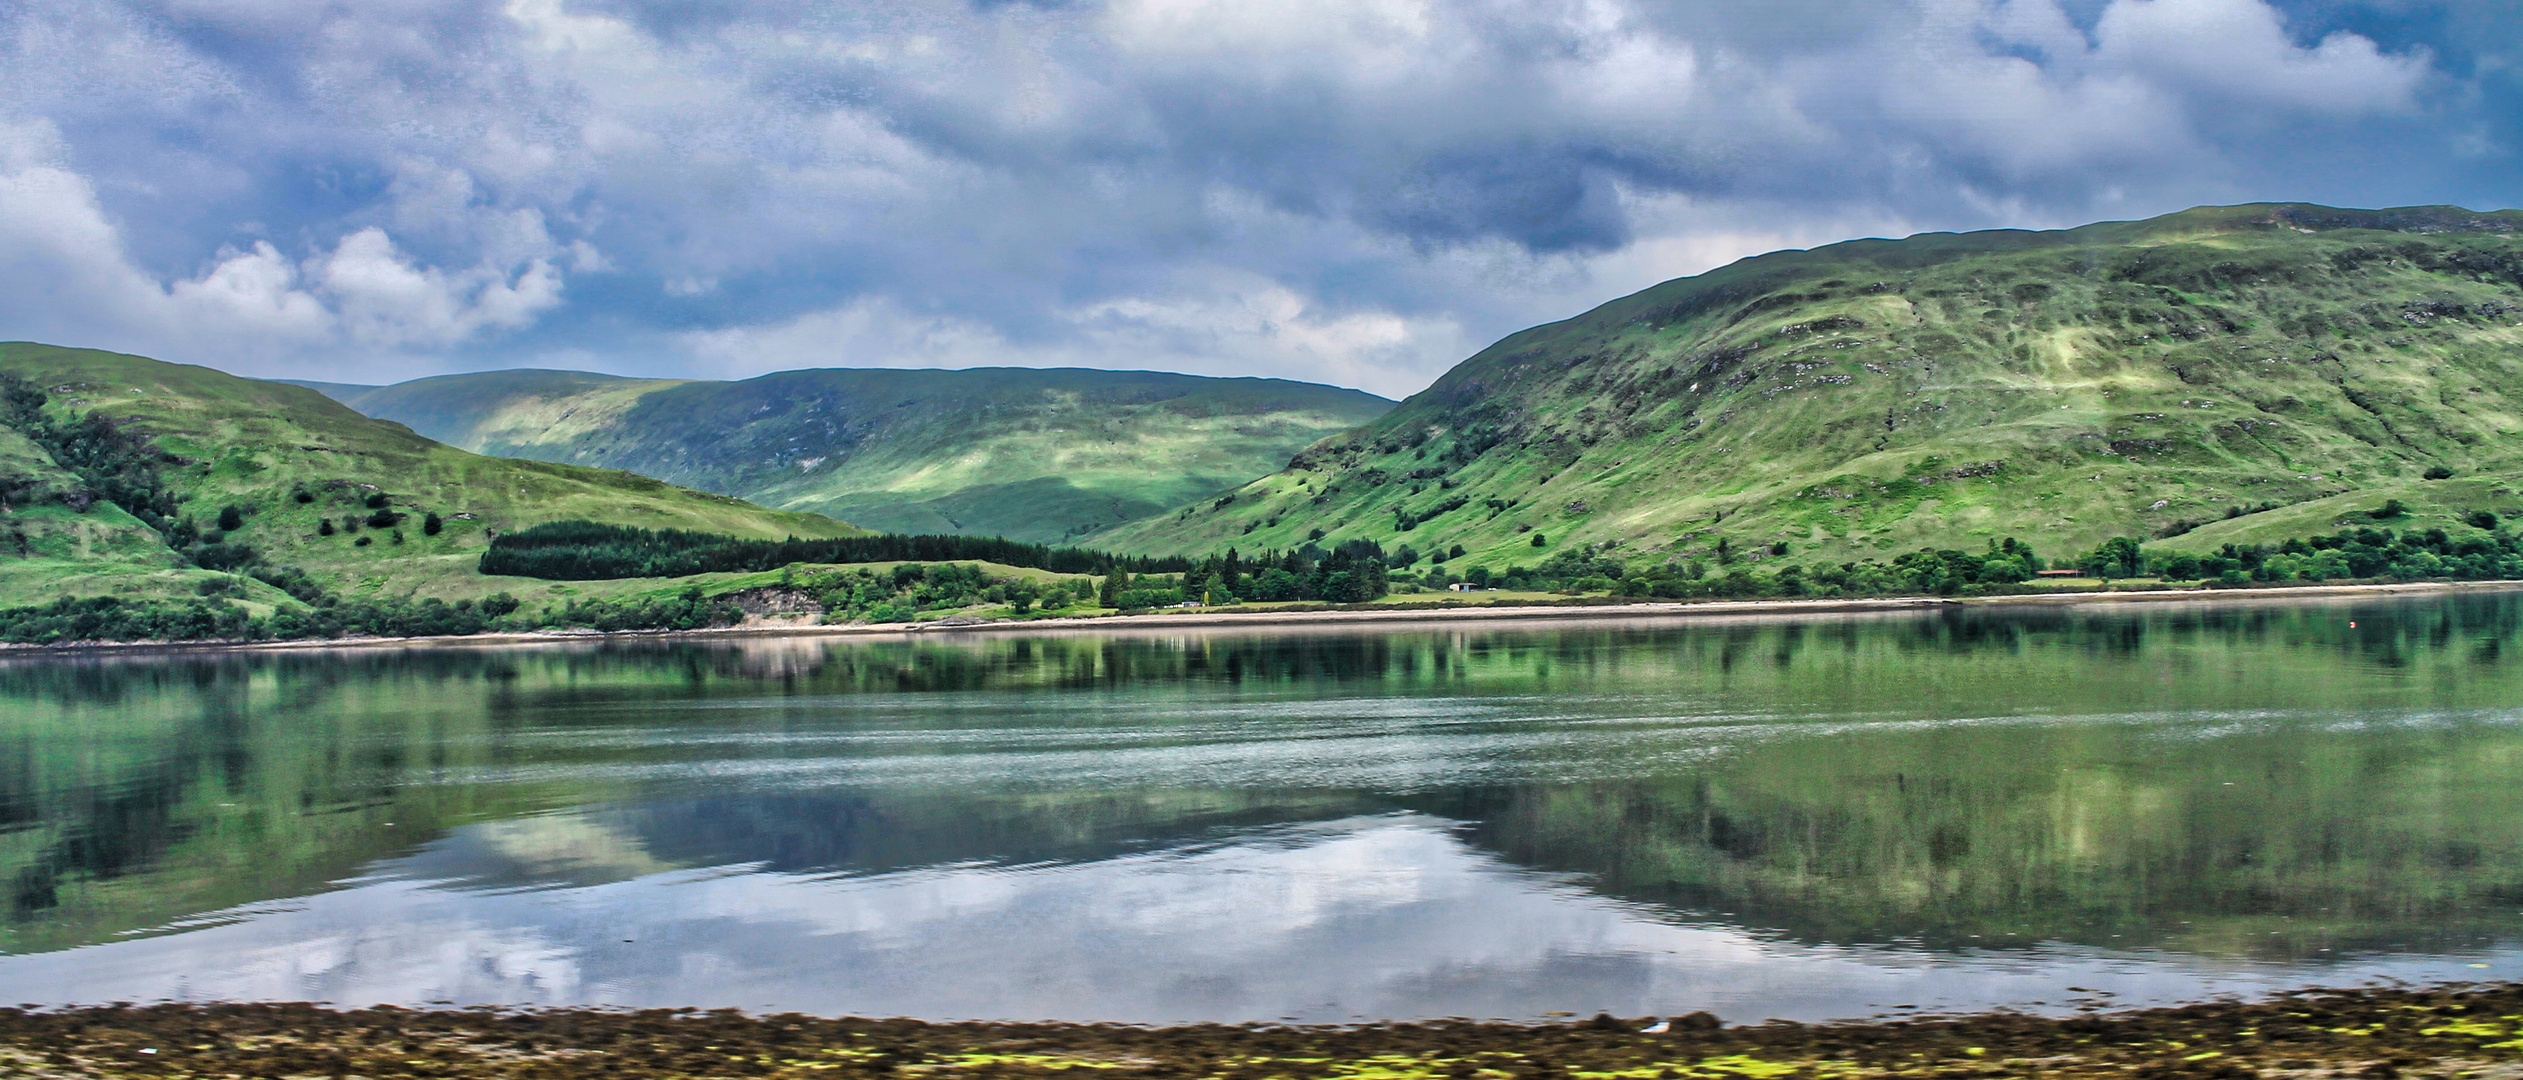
(2250, 781)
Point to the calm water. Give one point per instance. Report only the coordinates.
(1798, 818)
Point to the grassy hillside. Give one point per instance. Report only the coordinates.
(292, 462)
(2236, 374)
(1041, 455)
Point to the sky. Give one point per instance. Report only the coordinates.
(1356, 192)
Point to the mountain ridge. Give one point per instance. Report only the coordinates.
(1042, 454)
(1878, 395)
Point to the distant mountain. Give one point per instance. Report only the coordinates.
(335, 390)
(1030, 454)
(183, 443)
(2229, 373)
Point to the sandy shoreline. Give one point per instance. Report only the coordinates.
(1433, 614)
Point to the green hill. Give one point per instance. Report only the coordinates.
(2235, 373)
(183, 443)
(1030, 454)
(335, 390)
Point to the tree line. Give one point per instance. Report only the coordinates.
(2351, 554)
(900, 593)
(216, 618)
(2362, 553)
(1350, 572)
(1734, 573)
(587, 551)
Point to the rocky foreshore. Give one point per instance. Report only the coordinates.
(2453, 1033)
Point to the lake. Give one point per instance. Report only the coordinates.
(1807, 818)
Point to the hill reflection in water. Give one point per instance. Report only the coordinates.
(1801, 818)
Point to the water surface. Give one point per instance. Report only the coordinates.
(1804, 818)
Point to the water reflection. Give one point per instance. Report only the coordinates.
(1781, 817)
(1348, 918)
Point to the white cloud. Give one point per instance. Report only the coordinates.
(2157, 93)
(255, 291)
(1372, 33)
(71, 281)
(75, 283)
(1361, 192)
(58, 254)
(585, 259)
(382, 298)
(2239, 51)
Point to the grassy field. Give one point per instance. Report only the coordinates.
(292, 460)
(2290, 366)
(1042, 455)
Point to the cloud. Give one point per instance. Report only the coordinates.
(2239, 51)
(75, 283)
(381, 298)
(1359, 192)
(252, 292)
(69, 279)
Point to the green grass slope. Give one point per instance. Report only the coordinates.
(2289, 364)
(503, 413)
(259, 446)
(1030, 454)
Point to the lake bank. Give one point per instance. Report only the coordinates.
(2467, 1031)
(1382, 614)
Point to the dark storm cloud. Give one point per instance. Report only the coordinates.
(1358, 191)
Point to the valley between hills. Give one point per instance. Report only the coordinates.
(2196, 395)
(1042, 455)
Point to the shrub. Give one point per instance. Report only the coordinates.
(223, 556)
